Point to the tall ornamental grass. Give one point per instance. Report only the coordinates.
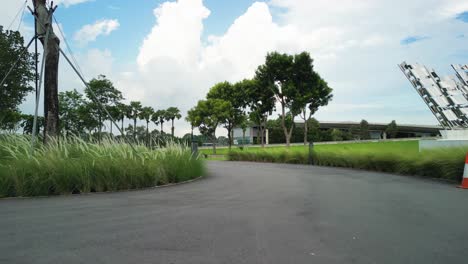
(71, 166)
(445, 163)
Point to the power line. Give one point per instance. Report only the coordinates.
(21, 10)
(67, 45)
(22, 16)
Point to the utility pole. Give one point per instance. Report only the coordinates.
(51, 104)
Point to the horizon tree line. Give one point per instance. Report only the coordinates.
(288, 81)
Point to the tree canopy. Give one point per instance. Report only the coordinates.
(18, 83)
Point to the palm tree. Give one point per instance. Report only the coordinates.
(122, 109)
(162, 117)
(173, 113)
(155, 118)
(146, 114)
(133, 113)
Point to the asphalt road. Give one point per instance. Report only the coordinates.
(247, 213)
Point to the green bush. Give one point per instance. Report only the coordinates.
(72, 165)
(443, 163)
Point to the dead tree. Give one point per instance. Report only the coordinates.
(51, 103)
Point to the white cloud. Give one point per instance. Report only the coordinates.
(355, 44)
(177, 33)
(89, 33)
(68, 3)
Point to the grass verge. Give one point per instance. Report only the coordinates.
(393, 157)
(72, 166)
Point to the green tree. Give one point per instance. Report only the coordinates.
(337, 135)
(261, 102)
(173, 113)
(312, 91)
(364, 130)
(137, 133)
(18, 83)
(275, 75)
(69, 115)
(133, 113)
(122, 109)
(236, 99)
(295, 86)
(207, 116)
(27, 122)
(244, 124)
(160, 117)
(102, 94)
(146, 114)
(392, 129)
(114, 112)
(89, 118)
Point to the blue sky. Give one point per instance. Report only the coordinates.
(173, 57)
(136, 19)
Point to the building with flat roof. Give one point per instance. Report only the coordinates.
(376, 131)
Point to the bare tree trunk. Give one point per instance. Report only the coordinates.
(162, 123)
(110, 127)
(51, 102)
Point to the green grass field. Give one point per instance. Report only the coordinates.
(371, 147)
(401, 157)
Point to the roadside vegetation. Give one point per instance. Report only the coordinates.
(393, 157)
(72, 165)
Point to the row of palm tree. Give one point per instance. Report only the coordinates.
(136, 111)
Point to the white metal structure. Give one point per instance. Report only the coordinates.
(446, 97)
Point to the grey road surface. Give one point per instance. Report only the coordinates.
(247, 213)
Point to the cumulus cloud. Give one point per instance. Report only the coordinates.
(89, 33)
(355, 44)
(68, 3)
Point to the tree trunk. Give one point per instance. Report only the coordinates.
(110, 127)
(172, 132)
(283, 124)
(262, 133)
(147, 134)
(243, 137)
(229, 138)
(134, 129)
(214, 144)
(306, 126)
(51, 102)
(162, 131)
(122, 127)
(100, 129)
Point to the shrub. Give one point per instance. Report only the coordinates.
(442, 163)
(72, 165)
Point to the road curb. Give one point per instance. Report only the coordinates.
(101, 193)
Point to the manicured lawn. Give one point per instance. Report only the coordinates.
(382, 147)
